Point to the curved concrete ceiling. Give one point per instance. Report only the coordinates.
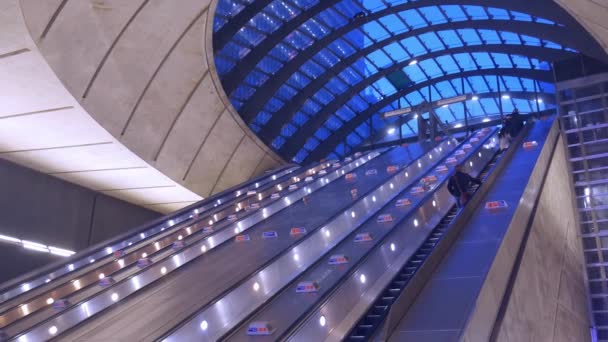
(118, 96)
(121, 96)
(592, 14)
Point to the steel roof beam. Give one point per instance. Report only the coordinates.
(542, 9)
(288, 111)
(293, 145)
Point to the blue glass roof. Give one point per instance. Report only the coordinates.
(307, 70)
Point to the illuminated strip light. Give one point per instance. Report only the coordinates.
(451, 100)
(38, 247)
(397, 112)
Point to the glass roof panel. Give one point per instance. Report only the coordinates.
(433, 14)
(283, 52)
(264, 22)
(322, 133)
(282, 10)
(288, 130)
(393, 22)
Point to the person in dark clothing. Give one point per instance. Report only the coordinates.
(516, 123)
(458, 185)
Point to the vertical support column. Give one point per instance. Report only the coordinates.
(371, 131)
(536, 98)
(464, 108)
(499, 98)
(432, 116)
(400, 122)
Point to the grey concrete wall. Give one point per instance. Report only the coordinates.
(45, 209)
(548, 300)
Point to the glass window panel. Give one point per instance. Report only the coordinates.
(510, 37)
(358, 104)
(502, 60)
(483, 59)
(315, 28)
(263, 22)
(255, 128)
(470, 36)
(450, 38)
(415, 73)
(229, 8)
(414, 98)
(262, 118)
(348, 7)
(521, 16)
(444, 114)
(529, 40)
(490, 36)
(247, 36)
(454, 12)
(380, 58)
(305, 4)
(288, 130)
(333, 123)
(322, 133)
(336, 86)
(413, 46)
(312, 69)
(371, 95)
(511, 83)
(223, 65)
(396, 52)
(431, 41)
(311, 143)
(236, 104)
(521, 61)
(278, 142)
(286, 92)
(479, 84)
(323, 96)
(543, 21)
(393, 22)
(498, 13)
(345, 113)
(489, 105)
(349, 76)
(300, 119)
(331, 18)
(385, 86)
(476, 12)
(353, 139)
(413, 19)
(375, 31)
(256, 78)
(218, 22)
(298, 80)
(552, 45)
(507, 106)
(363, 130)
(282, 10)
(372, 5)
(269, 65)
(433, 14)
(243, 92)
(273, 105)
(300, 156)
(355, 37)
(448, 64)
(430, 68)
(283, 52)
(299, 40)
(523, 105)
(445, 89)
(326, 58)
(311, 107)
(341, 48)
(235, 51)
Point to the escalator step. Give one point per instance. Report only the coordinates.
(365, 326)
(380, 308)
(400, 283)
(357, 337)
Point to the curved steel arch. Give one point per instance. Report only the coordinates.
(250, 109)
(225, 34)
(553, 33)
(336, 103)
(242, 69)
(289, 110)
(293, 145)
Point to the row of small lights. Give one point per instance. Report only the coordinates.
(35, 246)
(204, 325)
